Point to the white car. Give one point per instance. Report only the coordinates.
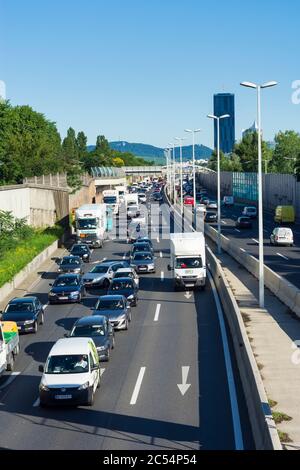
(142, 198)
(250, 212)
(71, 374)
(282, 236)
(212, 205)
(128, 272)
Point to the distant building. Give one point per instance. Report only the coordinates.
(224, 104)
(253, 128)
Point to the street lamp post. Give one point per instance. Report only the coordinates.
(181, 139)
(194, 169)
(174, 171)
(218, 118)
(260, 194)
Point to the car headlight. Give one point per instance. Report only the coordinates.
(59, 270)
(74, 294)
(84, 386)
(151, 266)
(177, 276)
(101, 348)
(85, 256)
(77, 270)
(130, 297)
(28, 322)
(51, 294)
(43, 388)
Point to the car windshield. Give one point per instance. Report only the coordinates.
(88, 331)
(141, 248)
(87, 223)
(188, 263)
(79, 249)
(123, 274)
(110, 200)
(110, 304)
(67, 364)
(121, 285)
(99, 269)
(70, 261)
(19, 307)
(66, 281)
(143, 257)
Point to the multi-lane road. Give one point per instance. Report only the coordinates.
(175, 338)
(283, 260)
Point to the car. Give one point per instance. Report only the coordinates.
(128, 272)
(200, 208)
(157, 197)
(204, 200)
(71, 264)
(133, 211)
(26, 312)
(228, 201)
(100, 330)
(212, 205)
(199, 195)
(250, 211)
(142, 198)
(67, 288)
(124, 286)
(116, 308)
(210, 217)
(146, 240)
(188, 201)
(141, 245)
(143, 262)
(243, 222)
(82, 250)
(140, 220)
(135, 231)
(282, 236)
(101, 274)
(71, 374)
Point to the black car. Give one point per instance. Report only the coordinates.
(210, 217)
(124, 286)
(100, 330)
(141, 246)
(67, 288)
(243, 222)
(116, 308)
(71, 264)
(81, 250)
(157, 197)
(27, 312)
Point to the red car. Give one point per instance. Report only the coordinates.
(189, 201)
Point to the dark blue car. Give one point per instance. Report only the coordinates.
(124, 286)
(27, 312)
(67, 288)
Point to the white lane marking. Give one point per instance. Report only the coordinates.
(160, 254)
(226, 238)
(125, 256)
(242, 249)
(162, 276)
(137, 387)
(36, 403)
(282, 256)
(102, 372)
(184, 386)
(238, 436)
(157, 312)
(237, 230)
(223, 222)
(157, 239)
(11, 378)
(255, 241)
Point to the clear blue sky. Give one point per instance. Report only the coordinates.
(143, 70)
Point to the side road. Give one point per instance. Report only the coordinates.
(274, 333)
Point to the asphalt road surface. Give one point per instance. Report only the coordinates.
(139, 404)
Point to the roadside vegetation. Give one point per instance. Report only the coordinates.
(19, 244)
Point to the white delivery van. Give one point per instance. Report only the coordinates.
(122, 190)
(71, 374)
(188, 260)
(131, 199)
(91, 224)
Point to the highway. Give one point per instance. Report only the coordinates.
(283, 260)
(139, 405)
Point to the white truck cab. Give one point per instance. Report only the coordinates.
(71, 374)
(91, 224)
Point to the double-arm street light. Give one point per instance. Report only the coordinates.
(260, 195)
(218, 119)
(194, 170)
(181, 139)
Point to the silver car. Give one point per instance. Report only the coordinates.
(143, 262)
(116, 309)
(101, 274)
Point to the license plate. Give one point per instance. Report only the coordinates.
(142, 268)
(63, 397)
(189, 285)
(189, 271)
(63, 298)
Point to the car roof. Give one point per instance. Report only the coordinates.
(71, 346)
(19, 300)
(143, 253)
(71, 257)
(122, 279)
(108, 263)
(61, 276)
(112, 297)
(125, 270)
(91, 320)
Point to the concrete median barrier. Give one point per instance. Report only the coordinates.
(287, 293)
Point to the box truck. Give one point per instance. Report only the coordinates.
(111, 199)
(188, 260)
(91, 224)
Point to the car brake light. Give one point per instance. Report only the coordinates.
(276, 238)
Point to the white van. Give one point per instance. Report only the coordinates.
(71, 374)
(282, 236)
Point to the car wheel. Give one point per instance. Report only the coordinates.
(42, 319)
(106, 284)
(79, 299)
(35, 327)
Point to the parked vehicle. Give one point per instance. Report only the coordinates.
(228, 201)
(116, 308)
(100, 330)
(128, 272)
(243, 222)
(126, 287)
(101, 274)
(27, 312)
(188, 259)
(210, 217)
(282, 236)
(82, 250)
(250, 212)
(67, 288)
(285, 215)
(91, 224)
(71, 264)
(143, 262)
(9, 345)
(71, 374)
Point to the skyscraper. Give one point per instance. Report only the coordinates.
(224, 104)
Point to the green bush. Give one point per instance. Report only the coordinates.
(16, 253)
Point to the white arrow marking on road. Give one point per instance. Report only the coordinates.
(10, 379)
(223, 222)
(187, 295)
(183, 387)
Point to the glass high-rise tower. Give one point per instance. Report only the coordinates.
(224, 104)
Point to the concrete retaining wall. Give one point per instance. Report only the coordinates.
(260, 415)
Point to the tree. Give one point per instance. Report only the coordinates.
(70, 149)
(286, 152)
(81, 142)
(247, 152)
(117, 161)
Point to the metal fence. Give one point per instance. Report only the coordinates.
(59, 180)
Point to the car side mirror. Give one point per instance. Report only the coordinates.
(51, 285)
(41, 368)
